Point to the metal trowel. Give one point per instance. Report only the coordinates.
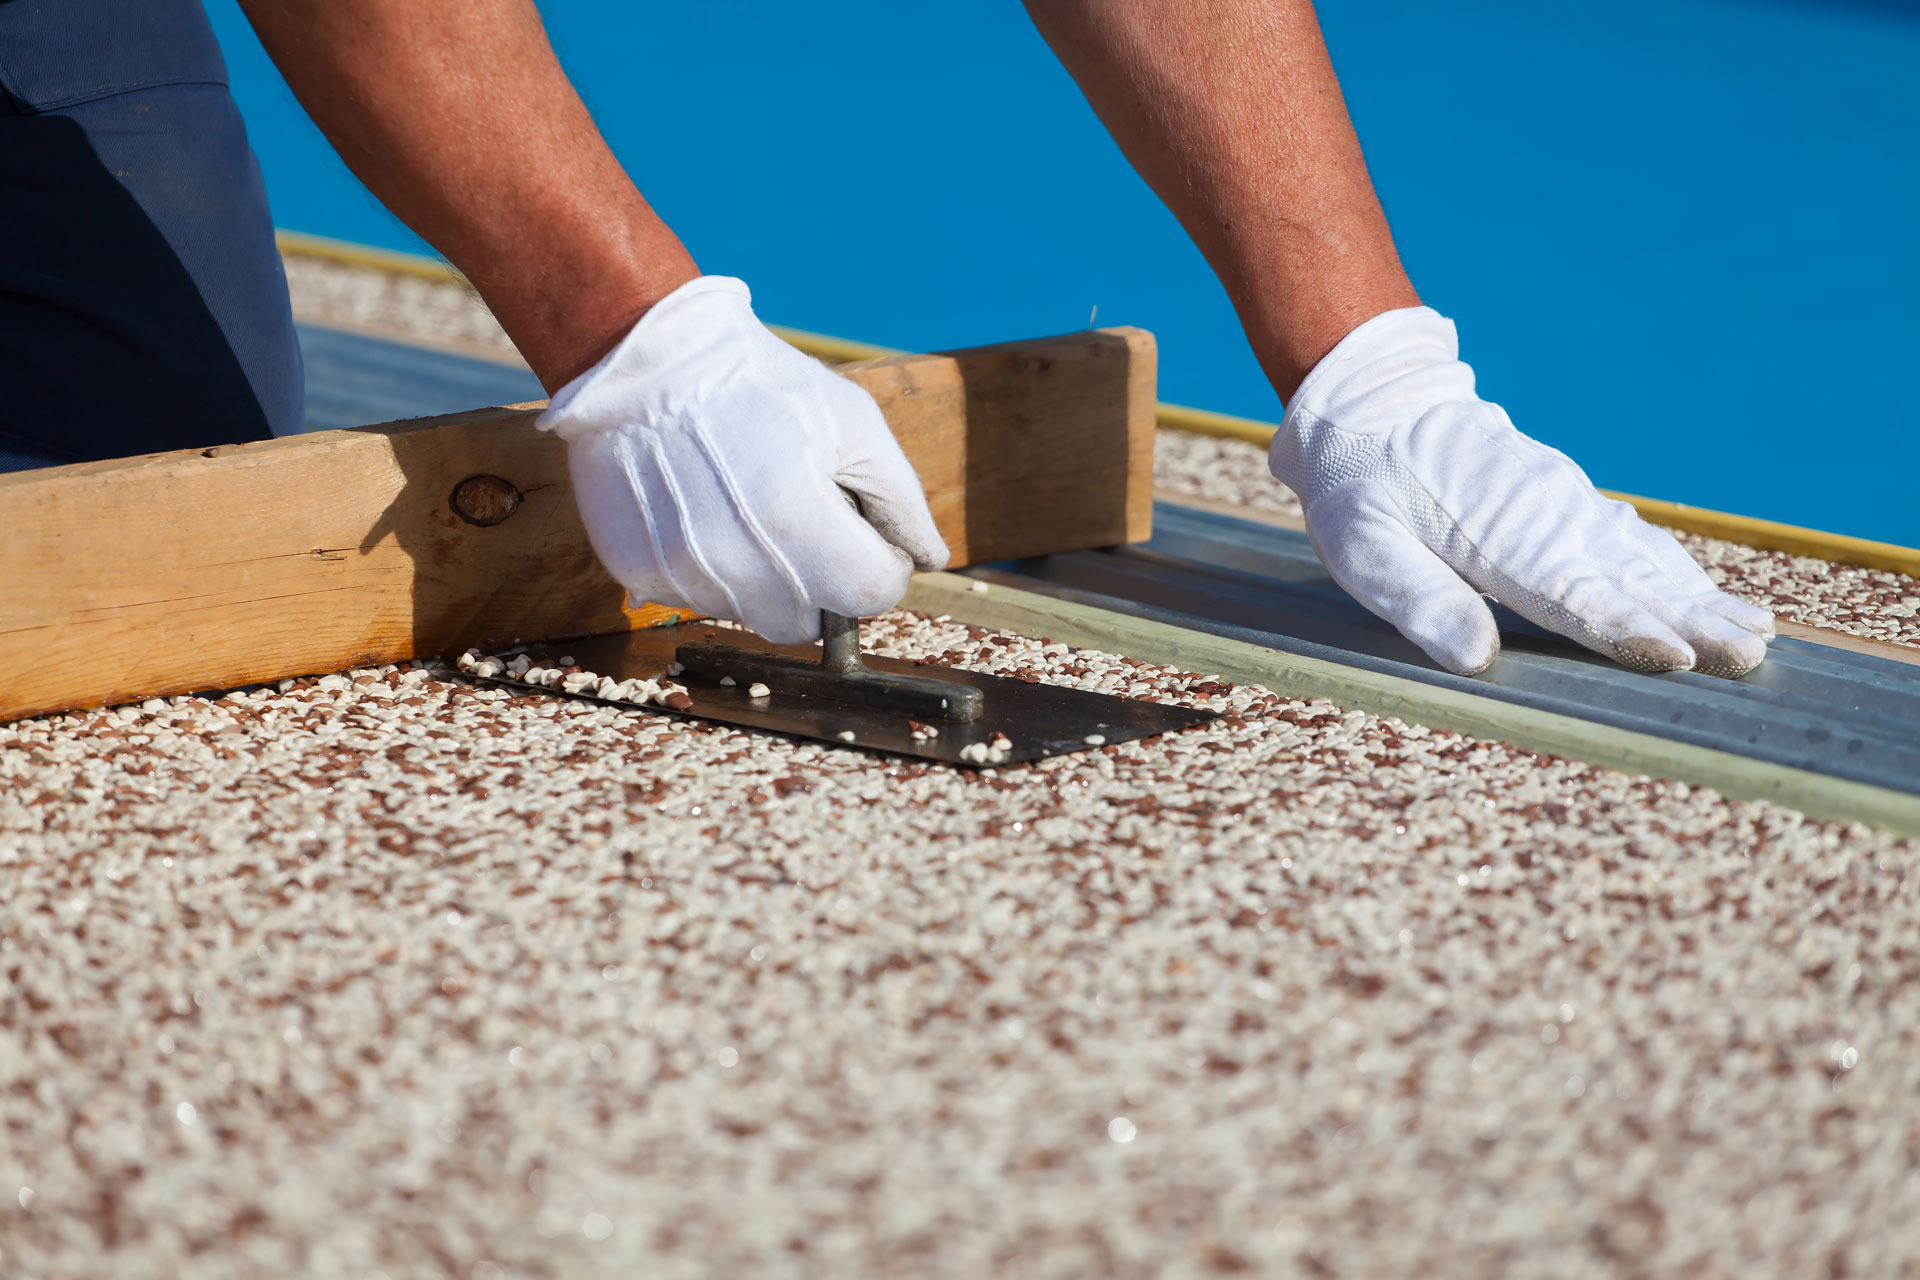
(837, 694)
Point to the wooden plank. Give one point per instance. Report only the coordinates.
(1028, 447)
(1736, 777)
(204, 569)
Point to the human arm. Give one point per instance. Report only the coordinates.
(707, 456)
(459, 118)
(1419, 495)
(1231, 112)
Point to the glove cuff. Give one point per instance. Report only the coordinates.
(703, 315)
(1392, 368)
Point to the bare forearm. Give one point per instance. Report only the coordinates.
(1231, 112)
(456, 114)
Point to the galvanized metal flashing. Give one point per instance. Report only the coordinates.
(1808, 706)
(1538, 697)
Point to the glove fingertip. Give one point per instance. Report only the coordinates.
(1381, 563)
(1469, 644)
(1720, 646)
(1745, 616)
(874, 585)
(908, 525)
(1730, 660)
(931, 559)
(1653, 653)
(785, 625)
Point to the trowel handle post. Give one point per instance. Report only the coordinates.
(839, 634)
(839, 642)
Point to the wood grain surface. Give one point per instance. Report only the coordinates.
(206, 569)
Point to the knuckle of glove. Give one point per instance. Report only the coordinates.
(705, 451)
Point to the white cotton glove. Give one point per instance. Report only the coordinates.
(707, 458)
(1420, 496)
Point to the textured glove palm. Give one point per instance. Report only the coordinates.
(1420, 496)
(707, 459)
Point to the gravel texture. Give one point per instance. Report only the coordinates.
(1220, 470)
(388, 974)
(385, 973)
(444, 313)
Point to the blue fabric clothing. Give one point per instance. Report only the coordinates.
(143, 305)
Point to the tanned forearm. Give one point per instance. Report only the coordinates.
(456, 114)
(1231, 112)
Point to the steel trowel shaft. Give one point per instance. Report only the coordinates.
(839, 676)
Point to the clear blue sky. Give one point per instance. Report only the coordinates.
(1678, 235)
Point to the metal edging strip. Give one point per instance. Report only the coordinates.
(1530, 729)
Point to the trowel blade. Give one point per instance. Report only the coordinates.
(1039, 720)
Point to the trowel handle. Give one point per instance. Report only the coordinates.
(839, 642)
(839, 634)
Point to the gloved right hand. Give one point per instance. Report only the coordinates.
(1420, 496)
(707, 458)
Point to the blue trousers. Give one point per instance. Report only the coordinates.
(143, 305)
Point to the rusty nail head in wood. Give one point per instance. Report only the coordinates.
(485, 500)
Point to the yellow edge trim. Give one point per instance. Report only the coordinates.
(1771, 535)
(833, 350)
(1751, 531)
(820, 345)
(1204, 422)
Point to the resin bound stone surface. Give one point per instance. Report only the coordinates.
(392, 974)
